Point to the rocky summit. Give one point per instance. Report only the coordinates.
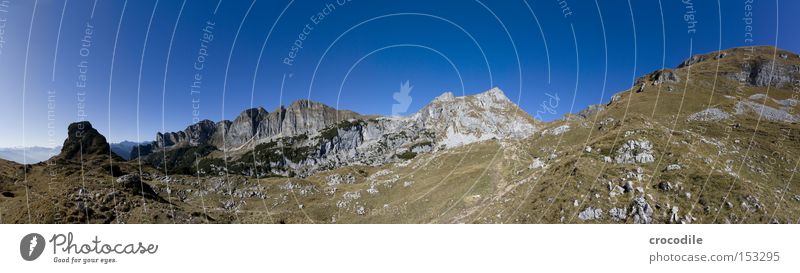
(308, 137)
(301, 117)
(83, 139)
(714, 140)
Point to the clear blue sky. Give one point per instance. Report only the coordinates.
(390, 42)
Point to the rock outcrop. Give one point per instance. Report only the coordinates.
(765, 72)
(635, 151)
(462, 120)
(709, 114)
(84, 140)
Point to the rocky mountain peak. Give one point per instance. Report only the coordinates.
(304, 103)
(494, 94)
(83, 139)
(491, 95)
(467, 119)
(252, 113)
(257, 124)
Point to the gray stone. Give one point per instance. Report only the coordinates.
(590, 213)
(766, 112)
(710, 114)
(591, 111)
(635, 151)
(663, 76)
(628, 187)
(674, 218)
(641, 211)
(536, 164)
(618, 214)
(693, 60)
(665, 186)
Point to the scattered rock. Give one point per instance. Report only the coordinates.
(673, 167)
(372, 190)
(133, 183)
(591, 111)
(710, 114)
(674, 215)
(752, 203)
(635, 151)
(228, 204)
(693, 60)
(590, 213)
(663, 76)
(336, 179)
(536, 164)
(556, 131)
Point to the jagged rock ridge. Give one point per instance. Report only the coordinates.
(309, 136)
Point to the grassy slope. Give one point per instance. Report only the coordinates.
(489, 182)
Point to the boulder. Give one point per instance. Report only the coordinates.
(635, 151)
(590, 213)
(641, 211)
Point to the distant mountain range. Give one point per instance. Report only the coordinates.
(124, 149)
(30, 155)
(38, 154)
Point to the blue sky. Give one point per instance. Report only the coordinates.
(358, 53)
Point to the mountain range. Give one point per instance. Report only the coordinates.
(39, 154)
(714, 140)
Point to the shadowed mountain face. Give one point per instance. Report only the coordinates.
(123, 149)
(715, 140)
(83, 139)
(301, 117)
